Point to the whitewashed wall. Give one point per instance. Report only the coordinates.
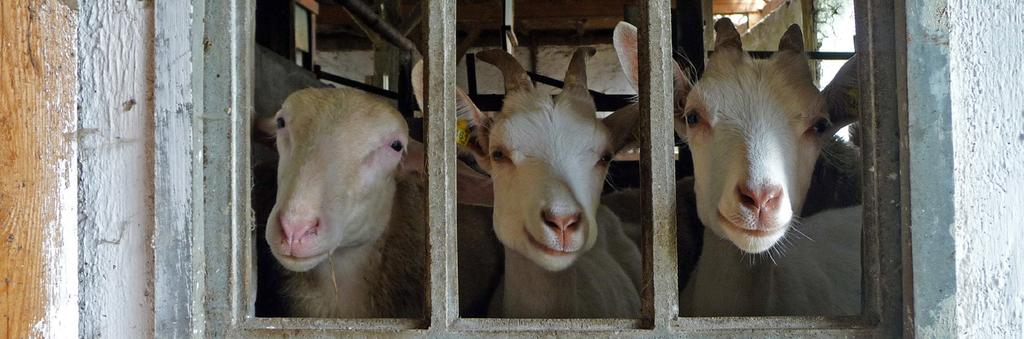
(986, 48)
(115, 43)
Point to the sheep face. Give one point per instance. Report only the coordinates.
(548, 160)
(339, 151)
(755, 129)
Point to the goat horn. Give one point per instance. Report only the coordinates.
(576, 75)
(516, 78)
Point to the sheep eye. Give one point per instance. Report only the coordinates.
(605, 159)
(821, 125)
(497, 155)
(396, 145)
(691, 118)
(280, 123)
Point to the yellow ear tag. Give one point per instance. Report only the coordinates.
(462, 132)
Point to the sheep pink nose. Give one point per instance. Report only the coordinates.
(562, 222)
(761, 199)
(295, 229)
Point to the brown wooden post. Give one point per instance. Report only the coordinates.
(38, 167)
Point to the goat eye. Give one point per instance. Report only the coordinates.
(606, 158)
(691, 118)
(396, 145)
(280, 123)
(821, 125)
(497, 155)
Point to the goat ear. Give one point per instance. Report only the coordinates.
(726, 35)
(623, 127)
(625, 41)
(792, 40)
(624, 124)
(479, 138)
(682, 85)
(842, 95)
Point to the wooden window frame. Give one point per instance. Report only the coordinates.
(204, 245)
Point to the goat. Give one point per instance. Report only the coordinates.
(348, 222)
(756, 129)
(565, 255)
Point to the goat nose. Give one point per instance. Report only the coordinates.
(761, 198)
(294, 229)
(563, 222)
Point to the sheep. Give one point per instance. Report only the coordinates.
(755, 129)
(565, 255)
(348, 225)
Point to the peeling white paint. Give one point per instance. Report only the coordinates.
(988, 119)
(60, 255)
(116, 182)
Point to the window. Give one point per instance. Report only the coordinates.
(205, 247)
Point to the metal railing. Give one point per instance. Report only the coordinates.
(218, 258)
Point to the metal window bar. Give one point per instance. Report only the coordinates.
(220, 256)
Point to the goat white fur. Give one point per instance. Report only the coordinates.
(565, 256)
(815, 272)
(348, 223)
(755, 128)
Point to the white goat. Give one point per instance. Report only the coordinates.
(348, 222)
(565, 255)
(756, 129)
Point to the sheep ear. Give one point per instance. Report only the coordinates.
(267, 126)
(472, 188)
(264, 129)
(625, 41)
(792, 40)
(413, 160)
(417, 84)
(842, 95)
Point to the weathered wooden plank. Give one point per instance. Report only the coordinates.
(38, 159)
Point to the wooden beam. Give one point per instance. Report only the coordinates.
(310, 5)
(38, 88)
(562, 14)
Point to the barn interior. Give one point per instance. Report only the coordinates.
(372, 45)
